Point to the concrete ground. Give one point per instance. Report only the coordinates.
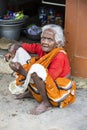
(14, 114)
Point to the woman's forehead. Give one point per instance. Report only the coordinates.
(48, 32)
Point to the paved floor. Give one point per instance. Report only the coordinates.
(14, 114)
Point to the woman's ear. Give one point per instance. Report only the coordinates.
(58, 44)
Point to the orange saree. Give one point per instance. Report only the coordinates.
(60, 92)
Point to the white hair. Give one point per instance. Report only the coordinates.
(59, 35)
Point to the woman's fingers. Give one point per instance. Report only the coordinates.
(7, 57)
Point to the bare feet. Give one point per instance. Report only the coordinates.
(24, 95)
(41, 108)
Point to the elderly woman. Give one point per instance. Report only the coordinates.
(50, 71)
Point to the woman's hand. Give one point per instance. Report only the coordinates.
(7, 57)
(11, 51)
(13, 47)
(17, 67)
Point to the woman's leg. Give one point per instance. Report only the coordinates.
(45, 104)
(26, 94)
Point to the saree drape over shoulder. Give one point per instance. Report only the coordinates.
(60, 92)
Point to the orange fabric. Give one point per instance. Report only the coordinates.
(45, 61)
(26, 67)
(59, 67)
(57, 96)
(60, 92)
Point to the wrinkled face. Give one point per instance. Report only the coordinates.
(48, 40)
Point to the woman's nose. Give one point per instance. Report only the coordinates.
(45, 40)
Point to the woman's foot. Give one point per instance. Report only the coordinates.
(41, 108)
(24, 95)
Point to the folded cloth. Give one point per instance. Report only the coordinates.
(17, 89)
(21, 56)
(14, 89)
